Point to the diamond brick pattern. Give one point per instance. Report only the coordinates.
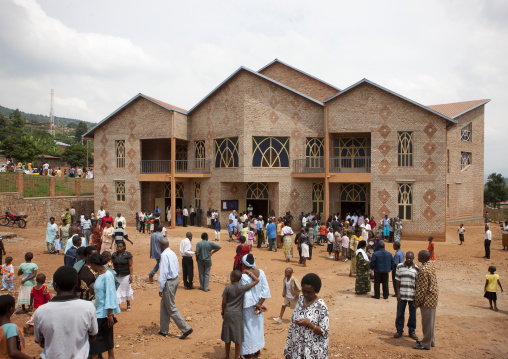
(384, 196)
(104, 154)
(429, 213)
(384, 210)
(104, 202)
(429, 196)
(384, 166)
(273, 117)
(104, 189)
(131, 167)
(429, 166)
(384, 131)
(429, 148)
(131, 125)
(296, 134)
(131, 153)
(385, 113)
(132, 204)
(131, 139)
(294, 194)
(104, 140)
(430, 130)
(104, 168)
(294, 207)
(132, 190)
(273, 102)
(384, 148)
(296, 118)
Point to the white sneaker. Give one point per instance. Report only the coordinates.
(330, 257)
(345, 260)
(278, 320)
(4, 288)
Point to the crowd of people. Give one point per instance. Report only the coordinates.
(44, 169)
(97, 274)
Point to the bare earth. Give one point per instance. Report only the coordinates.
(360, 327)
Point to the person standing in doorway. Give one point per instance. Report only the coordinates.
(187, 262)
(155, 251)
(185, 214)
(204, 252)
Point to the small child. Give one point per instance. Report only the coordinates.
(107, 255)
(337, 245)
(57, 245)
(250, 238)
(290, 291)
(231, 229)
(331, 239)
(431, 248)
(39, 296)
(232, 311)
(8, 274)
(491, 287)
(216, 226)
(29, 272)
(12, 341)
(345, 246)
(148, 225)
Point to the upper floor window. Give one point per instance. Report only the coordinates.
(465, 132)
(200, 154)
(270, 151)
(226, 152)
(405, 149)
(405, 201)
(314, 152)
(465, 160)
(318, 202)
(120, 153)
(120, 191)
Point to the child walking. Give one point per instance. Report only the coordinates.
(250, 238)
(39, 296)
(290, 291)
(232, 311)
(8, 274)
(12, 341)
(29, 272)
(491, 287)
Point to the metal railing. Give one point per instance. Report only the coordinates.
(181, 166)
(350, 165)
(309, 165)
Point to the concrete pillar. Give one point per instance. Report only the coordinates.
(78, 186)
(173, 171)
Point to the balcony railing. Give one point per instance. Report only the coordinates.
(181, 166)
(337, 165)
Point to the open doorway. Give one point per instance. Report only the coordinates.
(352, 207)
(260, 207)
(179, 204)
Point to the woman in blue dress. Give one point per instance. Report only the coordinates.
(253, 309)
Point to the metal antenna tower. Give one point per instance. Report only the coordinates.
(52, 116)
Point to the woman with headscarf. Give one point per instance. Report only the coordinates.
(86, 276)
(241, 250)
(397, 229)
(51, 234)
(308, 333)
(253, 309)
(362, 269)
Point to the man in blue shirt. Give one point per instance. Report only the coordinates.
(259, 230)
(397, 259)
(271, 235)
(382, 264)
(155, 250)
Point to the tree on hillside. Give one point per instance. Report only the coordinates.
(22, 148)
(81, 129)
(3, 127)
(75, 155)
(495, 190)
(16, 120)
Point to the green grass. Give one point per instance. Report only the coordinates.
(35, 186)
(7, 182)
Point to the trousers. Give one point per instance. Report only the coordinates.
(204, 276)
(399, 321)
(261, 237)
(169, 310)
(8, 284)
(192, 215)
(155, 268)
(272, 243)
(187, 271)
(487, 248)
(378, 278)
(185, 221)
(428, 322)
(87, 232)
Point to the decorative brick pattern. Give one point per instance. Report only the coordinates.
(429, 214)
(384, 196)
(429, 197)
(385, 148)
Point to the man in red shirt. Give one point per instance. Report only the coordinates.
(105, 219)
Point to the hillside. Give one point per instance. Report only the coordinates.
(59, 121)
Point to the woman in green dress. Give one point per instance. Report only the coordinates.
(398, 229)
(362, 269)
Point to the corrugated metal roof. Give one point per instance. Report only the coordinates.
(456, 109)
(393, 93)
(151, 99)
(242, 68)
(303, 72)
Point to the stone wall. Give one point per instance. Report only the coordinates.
(40, 209)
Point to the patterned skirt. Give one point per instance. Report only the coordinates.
(288, 247)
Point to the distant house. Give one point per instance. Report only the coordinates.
(61, 145)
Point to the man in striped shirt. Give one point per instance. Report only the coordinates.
(405, 288)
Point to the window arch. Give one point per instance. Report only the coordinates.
(353, 193)
(465, 132)
(318, 203)
(405, 149)
(270, 151)
(314, 152)
(405, 201)
(226, 152)
(200, 153)
(178, 190)
(257, 190)
(120, 153)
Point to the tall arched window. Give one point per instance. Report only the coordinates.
(270, 151)
(226, 152)
(405, 201)
(405, 149)
(314, 152)
(200, 153)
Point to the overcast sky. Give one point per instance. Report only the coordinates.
(98, 54)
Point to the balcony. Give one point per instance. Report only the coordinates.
(181, 166)
(316, 165)
(309, 165)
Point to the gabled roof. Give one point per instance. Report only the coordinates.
(300, 71)
(242, 68)
(165, 105)
(456, 109)
(393, 93)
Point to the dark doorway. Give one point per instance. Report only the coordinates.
(352, 207)
(179, 204)
(260, 207)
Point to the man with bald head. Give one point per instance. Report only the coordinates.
(405, 288)
(426, 299)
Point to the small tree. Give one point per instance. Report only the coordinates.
(81, 129)
(75, 155)
(22, 149)
(495, 190)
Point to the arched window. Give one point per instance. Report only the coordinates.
(226, 152)
(200, 153)
(465, 160)
(120, 154)
(405, 149)
(270, 151)
(197, 194)
(314, 152)
(178, 190)
(353, 193)
(318, 203)
(257, 190)
(120, 191)
(405, 201)
(465, 133)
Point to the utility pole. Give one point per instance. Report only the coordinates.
(52, 116)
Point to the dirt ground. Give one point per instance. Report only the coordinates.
(360, 326)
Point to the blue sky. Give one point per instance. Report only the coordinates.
(98, 54)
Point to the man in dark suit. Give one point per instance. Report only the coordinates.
(71, 256)
(199, 214)
(382, 264)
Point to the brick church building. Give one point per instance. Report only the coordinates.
(280, 139)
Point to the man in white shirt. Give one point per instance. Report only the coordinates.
(185, 215)
(65, 325)
(120, 218)
(488, 240)
(168, 283)
(163, 231)
(187, 262)
(250, 209)
(100, 213)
